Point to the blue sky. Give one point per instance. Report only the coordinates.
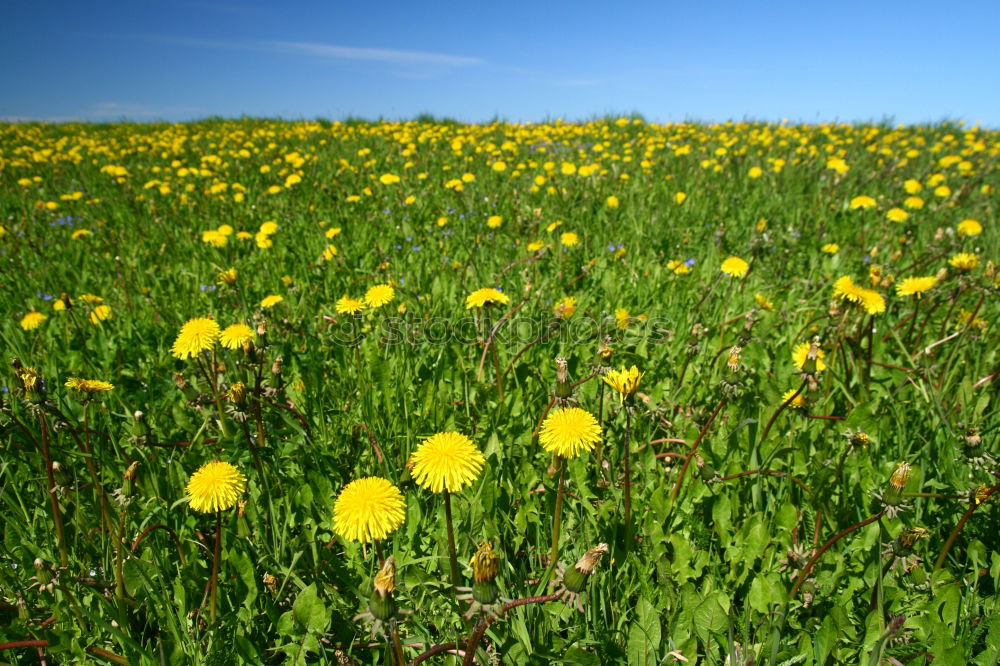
(175, 60)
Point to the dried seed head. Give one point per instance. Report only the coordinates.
(900, 476)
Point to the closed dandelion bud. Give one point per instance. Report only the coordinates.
(605, 350)
(733, 362)
(911, 535)
(577, 576)
(485, 566)
(812, 358)
(382, 603)
(982, 494)
(563, 388)
(190, 393)
(276, 366)
(237, 393)
(130, 472)
(897, 481)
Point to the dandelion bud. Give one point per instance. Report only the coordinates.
(733, 362)
(382, 603)
(910, 535)
(237, 393)
(858, 438)
(130, 472)
(485, 566)
(900, 476)
(982, 494)
(893, 496)
(604, 350)
(576, 577)
(972, 437)
(812, 358)
(563, 388)
(276, 366)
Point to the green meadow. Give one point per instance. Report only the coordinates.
(279, 392)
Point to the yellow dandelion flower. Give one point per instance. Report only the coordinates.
(912, 186)
(735, 267)
(332, 231)
(872, 301)
(494, 221)
(612, 202)
(862, 202)
(100, 313)
(964, 261)
(568, 431)
(678, 267)
(263, 241)
(942, 191)
(624, 382)
(329, 252)
(680, 197)
(237, 336)
(446, 461)
(388, 179)
(913, 203)
(196, 335)
(565, 308)
(349, 306)
(569, 239)
(214, 238)
(830, 248)
(32, 320)
(379, 295)
(227, 276)
(755, 172)
(897, 215)
(368, 509)
(622, 318)
(915, 285)
(798, 403)
(216, 486)
(270, 301)
(88, 385)
(763, 303)
(535, 246)
(485, 296)
(268, 228)
(800, 353)
(969, 228)
(845, 289)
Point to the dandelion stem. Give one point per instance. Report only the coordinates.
(486, 620)
(397, 646)
(961, 523)
(102, 500)
(557, 520)
(628, 478)
(825, 547)
(452, 552)
(694, 448)
(51, 491)
(217, 555)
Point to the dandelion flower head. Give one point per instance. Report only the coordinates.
(800, 353)
(735, 267)
(379, 295)
(88, 385)
(348, 305)
(446, 461)
(32, 320)
(485, 296)
(568, 431)
(624, 382)
(197, 335)
(215, 487)
(237, 336)
(367, 509)
(915, 285)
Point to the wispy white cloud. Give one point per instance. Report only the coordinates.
(377, 55)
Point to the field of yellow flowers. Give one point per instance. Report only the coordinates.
(424, 392)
